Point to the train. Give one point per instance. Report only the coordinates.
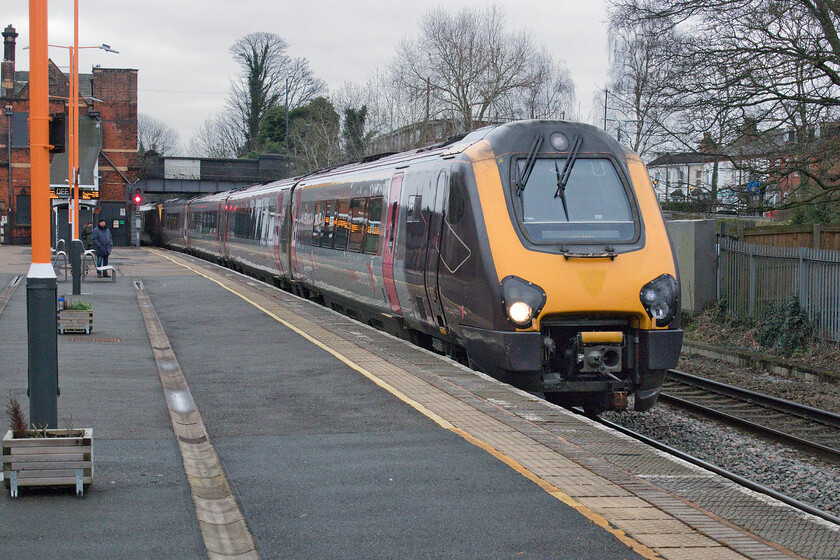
(533, 251)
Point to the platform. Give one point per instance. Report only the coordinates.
(232, 419)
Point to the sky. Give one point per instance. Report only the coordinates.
(180, 47)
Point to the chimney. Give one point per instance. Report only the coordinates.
(7, 75)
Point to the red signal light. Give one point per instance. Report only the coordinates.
(137, 199)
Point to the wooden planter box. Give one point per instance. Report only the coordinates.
(64, 459)
(72, 321)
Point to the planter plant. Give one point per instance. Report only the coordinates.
(45, 457)
(76, 318)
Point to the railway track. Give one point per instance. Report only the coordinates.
(808, 429)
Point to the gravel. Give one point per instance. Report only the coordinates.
(788, 471)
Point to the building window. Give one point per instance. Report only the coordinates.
(23, 214)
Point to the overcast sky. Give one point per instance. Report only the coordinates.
(180, 47)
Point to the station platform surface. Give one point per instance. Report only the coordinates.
(234, 420)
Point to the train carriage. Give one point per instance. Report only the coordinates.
(253, 236)
(205, 225)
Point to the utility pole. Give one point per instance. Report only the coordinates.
(606, 97)
(41, 314)
(76, 247)
(287, 121)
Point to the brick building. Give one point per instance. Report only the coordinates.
(108, 148)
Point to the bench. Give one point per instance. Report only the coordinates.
(63, 256)
(100, 269)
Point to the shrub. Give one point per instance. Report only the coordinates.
(785, 329)
(17, 420)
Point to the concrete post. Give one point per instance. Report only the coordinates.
(76, 251)
(42, 317)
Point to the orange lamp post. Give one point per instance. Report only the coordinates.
(41, 316)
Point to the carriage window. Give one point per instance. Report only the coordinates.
(342, 224)
(328, 230)
(357, 224)
(317, 225)
(415, 203)
(374, 222)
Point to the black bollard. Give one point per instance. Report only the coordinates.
(76, 251)
(42, 319)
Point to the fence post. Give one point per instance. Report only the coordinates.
(752, 285)
(817, 233)
(803, 279)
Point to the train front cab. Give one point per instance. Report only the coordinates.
(587, 281)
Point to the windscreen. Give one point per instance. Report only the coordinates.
(592, 207)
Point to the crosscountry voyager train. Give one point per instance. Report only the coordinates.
(535, 251)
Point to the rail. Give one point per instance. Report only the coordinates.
(806, 428)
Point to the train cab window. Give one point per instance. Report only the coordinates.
(342, 223)
(328, 230)
(317, 225)
(357, 224)
(374, 223)
(457, 199)
(592, 207)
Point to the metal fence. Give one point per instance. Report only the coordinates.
(752, 276)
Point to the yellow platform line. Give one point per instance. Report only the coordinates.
(554, 491)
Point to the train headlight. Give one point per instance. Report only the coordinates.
(559, 141)
(520, 312)
(659, 298)
(522, 300)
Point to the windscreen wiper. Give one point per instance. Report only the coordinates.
(563, 178)
(561, 190)
(522, 179)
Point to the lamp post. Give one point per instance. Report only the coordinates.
(76, 247)
(41, 315)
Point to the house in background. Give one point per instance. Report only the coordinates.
(108, 148)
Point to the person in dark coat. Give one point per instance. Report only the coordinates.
(102, 244)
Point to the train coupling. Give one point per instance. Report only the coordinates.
(599, 351)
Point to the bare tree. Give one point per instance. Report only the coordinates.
(779, 64)
(644, 76)
(463, 66)
(314, 136)
(268, 77)
(217, 137)
(549, 92)
(157, 136)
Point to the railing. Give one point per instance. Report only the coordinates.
(752, 276)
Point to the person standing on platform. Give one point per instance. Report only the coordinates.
(86, 236)
(102, 244)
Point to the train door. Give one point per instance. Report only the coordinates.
(279, 215)
(421, 228)
(223, 227)
(294, 215)
(392, 218)
(220, 234)
(433, 250)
